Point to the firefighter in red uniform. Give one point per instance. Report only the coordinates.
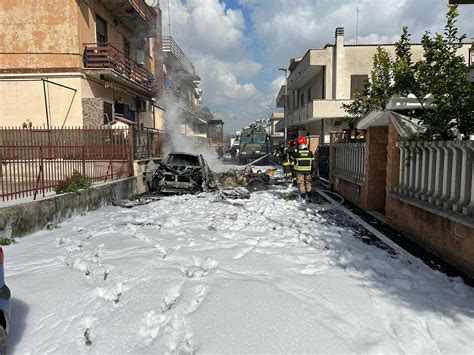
(303, 160)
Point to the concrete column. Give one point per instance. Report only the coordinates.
(438, 185)
(469, 209)
(466, 183)
(418, 170)
(411, 162)
(402, 170)
(338, 64)
(430, 184)
(446, 174)
(455, 187)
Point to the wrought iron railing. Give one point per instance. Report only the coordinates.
(106, 56)
(147, 12)
(34, 160)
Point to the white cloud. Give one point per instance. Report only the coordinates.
(289, 28)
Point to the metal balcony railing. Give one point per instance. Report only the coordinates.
(147, 12)
(106, 56)
(170, 46)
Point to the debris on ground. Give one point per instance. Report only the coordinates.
(136, 201)
(234, 192)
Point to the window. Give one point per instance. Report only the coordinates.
(358, 83)
(126, 48)
(302, 100)
(309, 98)
(108, 112)
(101, 30)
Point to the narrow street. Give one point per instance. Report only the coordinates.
(201, 274)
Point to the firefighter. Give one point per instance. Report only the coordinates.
(287, 161)
(303, 167)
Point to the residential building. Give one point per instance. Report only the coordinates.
(324, 79)
(183, 92)
(276, 137)
(80, 63)
(216, 132)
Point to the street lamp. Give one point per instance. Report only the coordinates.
(284, 107)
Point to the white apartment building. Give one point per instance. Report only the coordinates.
(325, 78)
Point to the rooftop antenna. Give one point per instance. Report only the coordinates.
(169, 20)
(357, 24)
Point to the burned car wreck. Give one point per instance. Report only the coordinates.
(185, 173)
(180, 173)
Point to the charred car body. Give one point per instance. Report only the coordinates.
(180, 173)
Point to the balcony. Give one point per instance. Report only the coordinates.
(314, 111)
(280, 100)
(135, 14)
(104, 59)
(175, 57)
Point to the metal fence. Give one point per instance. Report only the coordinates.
(34, 160)
(147, 142)
(323, 160)
(440, 173)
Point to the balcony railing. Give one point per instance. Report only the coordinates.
(170, 46)
(105, 56)
(438, 173)
(135, 14)
(145, 11)
(350, 161)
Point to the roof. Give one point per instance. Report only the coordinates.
(215, 122)
(405, 126)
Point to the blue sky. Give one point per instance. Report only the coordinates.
(238, 45)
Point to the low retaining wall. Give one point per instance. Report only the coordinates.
(448, 237)
(23, 219)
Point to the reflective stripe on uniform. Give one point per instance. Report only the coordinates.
(303, 160)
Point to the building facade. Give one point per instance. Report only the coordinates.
(80, 63)
(324, 79)
(182, 96)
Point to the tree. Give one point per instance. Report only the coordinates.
(442, 73)
(376, 93)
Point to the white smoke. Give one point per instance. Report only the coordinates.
(179, 141)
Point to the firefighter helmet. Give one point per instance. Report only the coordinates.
(301, 141)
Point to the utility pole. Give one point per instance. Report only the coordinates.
(357, 24)
(286, 103)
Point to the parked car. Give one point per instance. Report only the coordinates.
(5, 296)
(181, 173)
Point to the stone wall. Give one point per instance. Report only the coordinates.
(447, 235)
(451, 240)
(26, 218)
(93, 112)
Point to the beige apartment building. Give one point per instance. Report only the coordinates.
(323, 79)
(80, 63)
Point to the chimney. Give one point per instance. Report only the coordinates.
(338, 65)
(339, 36)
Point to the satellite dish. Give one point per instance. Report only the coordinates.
(151, 3)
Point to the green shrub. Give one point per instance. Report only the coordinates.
(73, 183)
(7, 241)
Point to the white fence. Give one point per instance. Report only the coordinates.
(350, 161)
(439, 173)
